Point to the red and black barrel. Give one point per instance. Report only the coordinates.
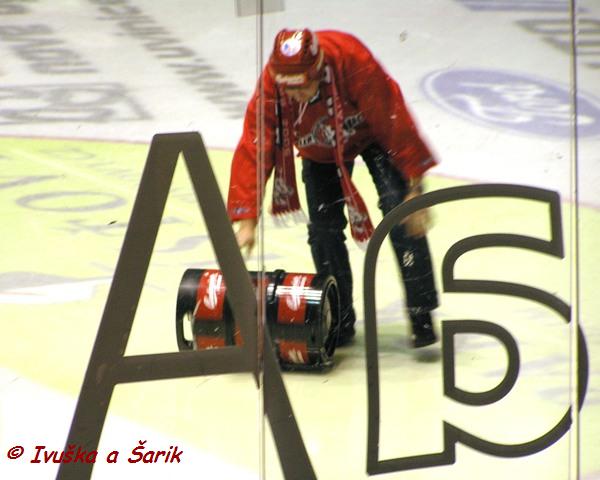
(302, 315)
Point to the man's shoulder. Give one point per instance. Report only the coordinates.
(336, 38)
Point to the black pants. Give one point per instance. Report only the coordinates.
(326, 231)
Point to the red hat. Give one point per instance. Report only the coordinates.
(297, 57)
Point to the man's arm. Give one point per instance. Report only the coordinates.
(245, 194)
(379, 98)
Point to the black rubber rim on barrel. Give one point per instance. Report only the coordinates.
(328, 339)
(186, 304)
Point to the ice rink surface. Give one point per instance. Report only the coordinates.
(84, 87)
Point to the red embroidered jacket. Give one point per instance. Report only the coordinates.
(374, 112)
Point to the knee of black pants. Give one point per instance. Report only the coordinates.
(388, 201)
(328, 246)
(329, 251)
(390, 183)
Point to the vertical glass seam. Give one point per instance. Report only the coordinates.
(574, 443)
(260, 324)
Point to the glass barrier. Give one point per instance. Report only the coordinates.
(587, 62)
(491, 87)
(102, 222)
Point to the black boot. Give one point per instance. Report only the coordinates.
(422, 330)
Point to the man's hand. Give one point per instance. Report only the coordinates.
(418, 223)
(246, 234)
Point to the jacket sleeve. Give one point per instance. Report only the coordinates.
(244, 198)
(380, 99)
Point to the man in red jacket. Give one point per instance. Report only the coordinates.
(325, 94)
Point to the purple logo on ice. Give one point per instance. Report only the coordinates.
(513, 101)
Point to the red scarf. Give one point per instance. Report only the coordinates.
(285, 191)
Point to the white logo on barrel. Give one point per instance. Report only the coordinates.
(214, 285)
(295, 356)
(294, 299)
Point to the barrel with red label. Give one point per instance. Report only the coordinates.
(302, 315)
